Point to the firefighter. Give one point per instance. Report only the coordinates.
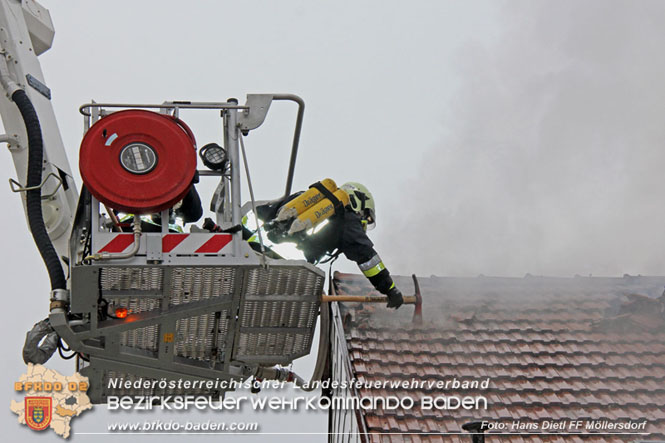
(189, 210)
(344, 232)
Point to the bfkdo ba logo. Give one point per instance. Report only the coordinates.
(38, 412)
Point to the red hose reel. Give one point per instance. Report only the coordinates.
(138, 161)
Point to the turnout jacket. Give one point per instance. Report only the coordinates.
(344, 232)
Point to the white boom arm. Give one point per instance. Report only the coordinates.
(26, 31)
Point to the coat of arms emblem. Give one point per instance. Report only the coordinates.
(38, 412)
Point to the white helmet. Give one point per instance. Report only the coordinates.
(362, 202)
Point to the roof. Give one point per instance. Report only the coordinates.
(553, 348)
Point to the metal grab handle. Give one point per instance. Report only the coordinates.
(136, 224)
(296, 137)
(254, 115)
(167, 105)
(16, 186)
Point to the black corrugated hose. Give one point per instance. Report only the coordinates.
(34, 197)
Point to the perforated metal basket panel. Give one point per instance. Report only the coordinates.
(136, 278)
(283, 280)
(261, 312)
(135, 305)
(266, 346)
(190, 284)
(195, 336)
(146, 338)
(135, 288)
(278, 314)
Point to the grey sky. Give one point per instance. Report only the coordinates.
(499, 138)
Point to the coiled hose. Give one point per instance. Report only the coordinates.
(34, 196)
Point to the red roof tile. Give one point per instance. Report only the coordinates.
(554, 349)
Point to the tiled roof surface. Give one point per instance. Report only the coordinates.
(554, 348)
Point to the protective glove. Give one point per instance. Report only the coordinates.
(395, 299)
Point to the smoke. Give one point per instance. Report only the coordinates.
(554, 152)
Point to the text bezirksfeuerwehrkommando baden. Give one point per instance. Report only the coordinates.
(190, 394)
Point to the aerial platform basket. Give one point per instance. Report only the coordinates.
(211, 322)
(190, 306)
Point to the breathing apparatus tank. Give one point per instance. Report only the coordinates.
(307, 210)
(323, 210)
(305, 201)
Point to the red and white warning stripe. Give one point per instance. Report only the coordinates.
(171, 243)
(194, 243)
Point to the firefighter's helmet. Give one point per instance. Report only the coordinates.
(362, 202)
